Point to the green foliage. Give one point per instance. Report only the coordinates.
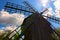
(55, 36)
(16, 36)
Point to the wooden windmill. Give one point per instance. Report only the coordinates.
(35, 26)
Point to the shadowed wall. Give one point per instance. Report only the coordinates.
(37, 28)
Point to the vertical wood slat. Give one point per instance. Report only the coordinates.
(39, 28)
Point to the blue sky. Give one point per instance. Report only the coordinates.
(36, 3)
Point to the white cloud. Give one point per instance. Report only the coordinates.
(57, 8)
(49, 12)
(44, 2)
(11, 19)
(57, 4)
(10, 28)
(7, 30)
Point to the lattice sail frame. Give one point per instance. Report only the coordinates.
(14, 8)
(52, 18)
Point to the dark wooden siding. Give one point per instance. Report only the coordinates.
(37, 28)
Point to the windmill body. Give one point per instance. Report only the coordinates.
(35, 26)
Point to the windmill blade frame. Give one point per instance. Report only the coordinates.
(8, 5)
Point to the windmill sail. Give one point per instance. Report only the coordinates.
(18, 8)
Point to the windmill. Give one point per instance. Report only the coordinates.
(11, 7)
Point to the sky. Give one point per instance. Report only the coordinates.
(12, 20)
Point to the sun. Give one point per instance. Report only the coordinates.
(44, 2)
